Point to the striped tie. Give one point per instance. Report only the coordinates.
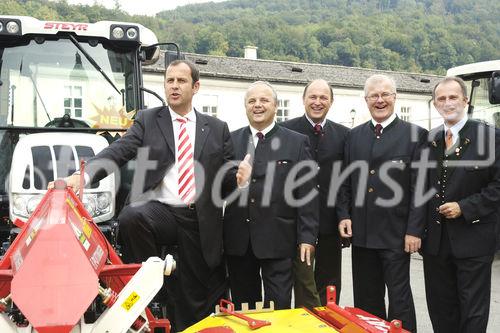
(449, 139)
(185, 163)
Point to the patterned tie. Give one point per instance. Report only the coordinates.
(449, 139)
(260, 136)
(318, 129)
(378, 130)
(185, 164)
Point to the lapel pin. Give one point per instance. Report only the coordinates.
(434, 144)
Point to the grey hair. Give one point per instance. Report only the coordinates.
(256, 83)
(377, 78)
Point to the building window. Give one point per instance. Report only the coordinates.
(73, 101)
(405, 113)
(210, 110)
(283, 111)
(208, 104)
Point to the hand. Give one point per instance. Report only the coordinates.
(306, 253)
(450, 210)
(244, 171)
(412, 243)
(72, 181)
(345, 228)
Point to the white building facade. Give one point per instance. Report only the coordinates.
(224, 81)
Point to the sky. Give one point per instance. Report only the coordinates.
(141, 7)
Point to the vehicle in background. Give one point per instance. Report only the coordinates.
(61, 83)
(483, 81)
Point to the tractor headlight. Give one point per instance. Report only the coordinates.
(90, 204)
(132, 33)
(12, 27)
(104, 201)
(118, 33)
(97, 204)
(124, 32)
(19, 205)
(24, 205)
(33, 203)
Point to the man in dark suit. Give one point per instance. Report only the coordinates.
(327, 146)
(376, 207)
(459, 245)
(176, 208)
(277, 213)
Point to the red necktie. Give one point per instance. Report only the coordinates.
(318, 129)
(260, 136)
(448, 139)
(378, 130)
(185, 164)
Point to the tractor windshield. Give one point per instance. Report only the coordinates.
(482, 107)
(42, 80)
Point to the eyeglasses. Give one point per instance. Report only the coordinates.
(385, 96)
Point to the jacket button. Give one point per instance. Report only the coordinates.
(437, 195)
(252, 200)
(254, 180)
(372, 172)
(248, 220)
(438, 222)
(370, 190)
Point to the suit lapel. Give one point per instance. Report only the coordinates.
(437, 143)
(250, 147)
(202, 131)
(465, 135)
(165, 123)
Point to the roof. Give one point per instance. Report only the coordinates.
(298, 73)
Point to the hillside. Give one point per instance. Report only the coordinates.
(410, 35)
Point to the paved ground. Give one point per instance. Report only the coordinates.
(417, 282)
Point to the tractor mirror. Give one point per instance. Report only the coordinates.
(494, 88)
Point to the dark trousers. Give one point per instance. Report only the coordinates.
(304, 286)
(457, 290)
(195, 287)
(372, 271)
(246, 282)
(328, 265)
(310, 284)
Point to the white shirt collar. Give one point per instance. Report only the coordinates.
(264, 131)
(386, 122)
(313, 123)
(456, 128)
(190, 116)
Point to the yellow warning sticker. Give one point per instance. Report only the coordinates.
(130, 301)
(87, 230)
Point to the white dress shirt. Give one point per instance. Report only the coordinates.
(168, 190)
(456, 128)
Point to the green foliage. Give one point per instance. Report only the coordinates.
(410, 35)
